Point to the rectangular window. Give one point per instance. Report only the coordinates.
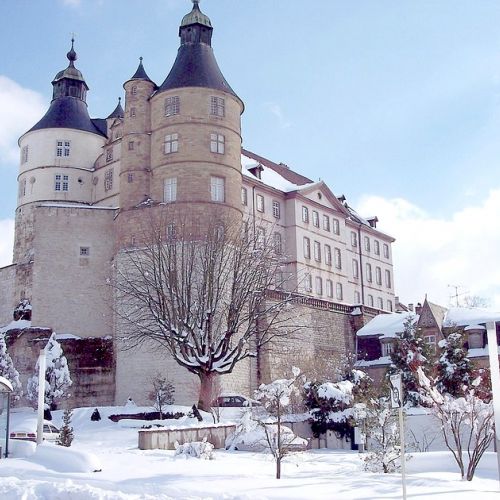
(370, 300)
(319, 285)
(109, 154)
(134, 90)
(317, 251)
(108, 180)
(130, 177)
(430, 340)
(338, 258)
(170, 190)
(172, 105)
(217, 189)
(22, 188)
(378, 276)
(367, 243)
(276, 209)
(336, 226)
(357, 297)
(217, 143)
(380, 303)
(328, 255)
(24, 154)
(260, 203)
(308, 283)
(376, 247)
(278, 248)
(354, 239)
(171, 143)
(62, 148)
(315, 219)
(369, 273)
(61, 182)
(261, 237)
(339, 291)
(132, 112)
(84, 251)
(131, 145)
(305, 214)
(171, 231)
(329, 288)
(244, 196)
(307, 247)
(355, 268)
(386, 250)
(387, 348)
(217, 106)
(389, 305)
(326, 223)
(388, 280)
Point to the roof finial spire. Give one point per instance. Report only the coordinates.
(71, 55)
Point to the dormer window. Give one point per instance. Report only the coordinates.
(217, 106)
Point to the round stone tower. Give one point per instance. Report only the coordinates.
(57, 159)
(194, 168)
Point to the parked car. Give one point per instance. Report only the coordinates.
(235, 401)
(25, 430)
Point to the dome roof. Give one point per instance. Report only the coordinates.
(196, 16)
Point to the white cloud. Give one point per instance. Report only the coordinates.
(6, 241)
(20, 109)
(72, 3)
(432, 253)
(275, 109)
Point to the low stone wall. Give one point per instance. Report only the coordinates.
(164, 439)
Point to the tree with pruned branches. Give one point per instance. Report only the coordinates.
(201, 296)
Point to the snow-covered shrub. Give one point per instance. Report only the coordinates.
(409, 353)
(130, 402)
(66, 432)
(382, 428)
(196, 449)
(331, 404)
(8, 370)
(454, 369)
(467, 423)
(57, 376)
(23, 311)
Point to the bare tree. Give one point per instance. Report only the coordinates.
(467, 424)
(202, 296)
(162, 393)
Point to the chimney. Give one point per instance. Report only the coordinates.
(410, 307)
(418, 309)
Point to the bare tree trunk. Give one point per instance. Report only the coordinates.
(206, 390)
(278, 468)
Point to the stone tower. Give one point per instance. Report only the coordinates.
(57, 158)
(191, 127)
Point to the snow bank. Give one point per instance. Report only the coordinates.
(62, 459)
(21, 449)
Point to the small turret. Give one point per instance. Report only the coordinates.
(68, 108)
(118, 111)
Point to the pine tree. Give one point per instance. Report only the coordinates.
(7, 369)
(409, 353)
(454, 369)
(66, 434)
(57, 376)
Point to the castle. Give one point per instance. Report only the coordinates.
(86, 186)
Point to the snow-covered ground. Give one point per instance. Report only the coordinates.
(129, 473)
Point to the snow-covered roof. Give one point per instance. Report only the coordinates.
(465, 316)
(5, 385)
(386, 325)
(76, 205)
(269, 176)
(20, 324)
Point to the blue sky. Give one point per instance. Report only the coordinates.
(393, 103)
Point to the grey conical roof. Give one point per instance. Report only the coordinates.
(118, 111)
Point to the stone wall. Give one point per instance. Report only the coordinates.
(90, 361)
(8, 298)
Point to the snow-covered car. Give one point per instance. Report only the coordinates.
(25, 430)
(235, 401)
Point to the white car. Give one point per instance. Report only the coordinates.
(25, 430)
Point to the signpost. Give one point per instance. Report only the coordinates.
(397, 402)
(41, 396)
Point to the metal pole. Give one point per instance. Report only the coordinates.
(495, 384)
(41, 396)
(402, 442)
(7, 427)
